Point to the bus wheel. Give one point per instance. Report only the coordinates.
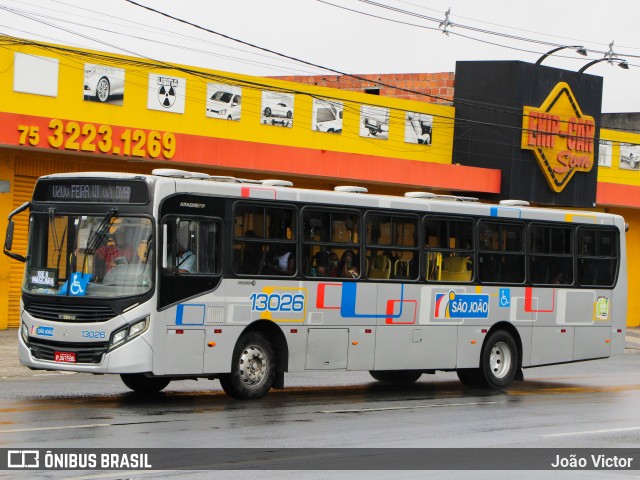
(252, 368)
(395, 376)
(140, 383)
(499, 362)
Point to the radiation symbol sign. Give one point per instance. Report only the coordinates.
(166, 93)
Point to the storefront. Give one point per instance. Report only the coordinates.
(70, 110)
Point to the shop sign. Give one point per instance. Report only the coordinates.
(560, 136)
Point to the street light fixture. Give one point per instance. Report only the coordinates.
(578, 48)
(622, 63)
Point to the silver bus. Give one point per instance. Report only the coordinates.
(182, 275)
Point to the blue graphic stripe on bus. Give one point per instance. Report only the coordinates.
(190, 314)
(348, 303)
(461, 305)
(507, 212)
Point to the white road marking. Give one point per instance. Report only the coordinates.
(63, 427)
(384, 409)
(592, 432)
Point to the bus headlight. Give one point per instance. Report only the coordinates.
(24, 332)
(128, 332)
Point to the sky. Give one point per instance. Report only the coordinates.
(348, 36)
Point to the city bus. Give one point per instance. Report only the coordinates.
(183, 275)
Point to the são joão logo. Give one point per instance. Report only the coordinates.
(461, 305)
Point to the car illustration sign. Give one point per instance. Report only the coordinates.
(560, 136)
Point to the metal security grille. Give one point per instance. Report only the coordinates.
(85, 352)
(71, 313)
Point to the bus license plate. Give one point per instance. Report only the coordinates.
(65, 357)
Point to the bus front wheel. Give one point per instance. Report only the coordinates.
(140, 383)
(395, 376)
(252, 368)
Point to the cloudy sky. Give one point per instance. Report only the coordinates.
(351, 36)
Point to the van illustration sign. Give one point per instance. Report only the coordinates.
(560, 136)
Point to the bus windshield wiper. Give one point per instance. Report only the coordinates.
(97, 236)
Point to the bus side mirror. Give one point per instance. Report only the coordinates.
(8, 242)
(8, 239)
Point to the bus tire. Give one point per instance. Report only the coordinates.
(499, 361)
(140, 383)
(252, 368)
(395, 376)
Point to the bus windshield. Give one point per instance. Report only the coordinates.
(89, 255)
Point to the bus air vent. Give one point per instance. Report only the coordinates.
(420, 195)
(277, 183)
(350, 189)
(514, 203)
(175, 173)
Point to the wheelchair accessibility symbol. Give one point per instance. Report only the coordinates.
(505, 298)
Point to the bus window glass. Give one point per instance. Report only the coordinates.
(194, 246)
(391, 247)
(551, 255)
(264, 240)
(331, 245)
(501, 255)
(597, 257)
(449, 249)
(89, 255)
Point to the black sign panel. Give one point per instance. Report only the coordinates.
(92, 190)
(489, 100)
(43, 278)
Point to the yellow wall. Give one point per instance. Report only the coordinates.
(69, 104)
(6, 204)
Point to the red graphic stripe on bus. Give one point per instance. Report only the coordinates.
(528, 301)
(391, 304)
(321, 293)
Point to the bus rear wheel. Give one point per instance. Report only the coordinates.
(140, 383)
(252, 368)
(498, 363)
(395, 376)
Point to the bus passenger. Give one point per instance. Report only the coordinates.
(348, 266)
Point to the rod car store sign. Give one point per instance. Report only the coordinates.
(560, 136)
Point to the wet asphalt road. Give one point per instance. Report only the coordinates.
(586, 405)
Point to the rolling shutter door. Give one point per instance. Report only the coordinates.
(23, 189)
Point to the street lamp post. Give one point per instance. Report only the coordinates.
(578, 48)
(620, 61)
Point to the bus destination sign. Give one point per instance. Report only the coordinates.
(92, 191)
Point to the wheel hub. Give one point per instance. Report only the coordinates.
(253, 365)
(500, 359)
